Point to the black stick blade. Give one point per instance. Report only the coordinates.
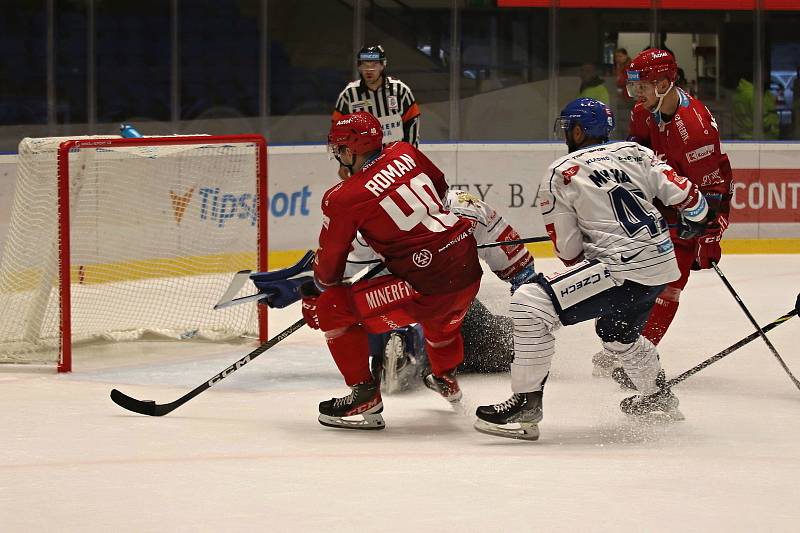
(143, 407)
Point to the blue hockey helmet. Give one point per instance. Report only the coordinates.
(594, 116)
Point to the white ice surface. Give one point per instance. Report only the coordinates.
(249, 455)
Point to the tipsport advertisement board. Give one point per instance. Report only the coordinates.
(765, 205)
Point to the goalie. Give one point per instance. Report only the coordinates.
(399, 357)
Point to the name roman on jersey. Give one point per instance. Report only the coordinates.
(384, 295)
(385, 177)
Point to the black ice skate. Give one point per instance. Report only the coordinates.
(400, 370)
(620, 376)
(524, 409)
(661, 405)
(446, 385)
(364, 400)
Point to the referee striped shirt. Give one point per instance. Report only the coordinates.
(392, 104)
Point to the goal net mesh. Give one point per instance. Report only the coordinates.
(155, 232)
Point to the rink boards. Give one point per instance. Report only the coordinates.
(764, 217)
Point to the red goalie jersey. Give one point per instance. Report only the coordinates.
(690, 144)
(396, 203)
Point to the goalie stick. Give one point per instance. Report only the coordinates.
(752, 320)
(733, 347)
(241, 278)
(151, 408)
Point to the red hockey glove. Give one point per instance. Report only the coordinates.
(310, 295)
(708, 249)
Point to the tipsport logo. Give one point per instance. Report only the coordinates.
(222, 207)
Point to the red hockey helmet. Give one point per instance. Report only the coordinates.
(360, 132)
(652, 65)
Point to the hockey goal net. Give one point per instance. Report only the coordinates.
(116, 239)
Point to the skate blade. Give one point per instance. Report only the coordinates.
(525, 431)
(391, 378)
(460, 408)
(455, 399)
(658, 417)
(367, 421)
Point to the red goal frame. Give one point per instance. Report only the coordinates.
(65, 351)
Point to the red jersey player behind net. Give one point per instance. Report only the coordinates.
(394, 198)
(682, 132)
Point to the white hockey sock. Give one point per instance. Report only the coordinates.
(640, 361)
(534, 344)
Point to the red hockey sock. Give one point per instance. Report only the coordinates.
(350, 351)
(660, 317)
(445, 355)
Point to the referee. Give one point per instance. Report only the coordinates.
(387, 99)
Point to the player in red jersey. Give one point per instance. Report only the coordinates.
(394, 198)
(683, 132)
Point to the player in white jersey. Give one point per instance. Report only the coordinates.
(597, 204)
(399, 356)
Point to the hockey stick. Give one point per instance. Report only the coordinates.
(243, 276)
(755, 324)
(151, 408)
(544, 238)
(732, 348)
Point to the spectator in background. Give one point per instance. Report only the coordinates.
(743, 112)
(621, 62)
(592, 85)
(682, 82)
(624, 103)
